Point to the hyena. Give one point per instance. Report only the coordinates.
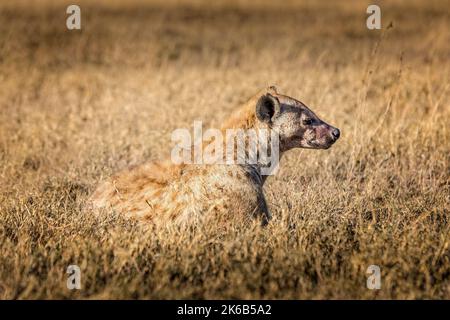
(162, 192)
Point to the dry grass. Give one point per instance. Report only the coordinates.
(76, 106)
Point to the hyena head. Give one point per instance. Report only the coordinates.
(296, 125)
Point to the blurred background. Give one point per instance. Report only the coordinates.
(78, 105)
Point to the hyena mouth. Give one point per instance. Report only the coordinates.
(317, 145)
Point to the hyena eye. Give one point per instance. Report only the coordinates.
(307, 122)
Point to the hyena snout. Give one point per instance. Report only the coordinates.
(335, 133)
(327, 135)
(332, 135)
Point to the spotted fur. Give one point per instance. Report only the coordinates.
(162, 192)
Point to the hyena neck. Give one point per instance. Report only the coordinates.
(257, 151)
(267, 152)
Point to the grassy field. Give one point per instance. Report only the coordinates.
(76, 106)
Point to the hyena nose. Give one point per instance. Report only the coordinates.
(336, 133)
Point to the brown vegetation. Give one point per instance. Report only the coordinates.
(77, 106)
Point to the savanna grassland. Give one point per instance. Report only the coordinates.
(76, 106)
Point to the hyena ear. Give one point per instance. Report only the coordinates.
(272, 90)
(267, 108)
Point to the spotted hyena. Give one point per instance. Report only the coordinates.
(187, 192)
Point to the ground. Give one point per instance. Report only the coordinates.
(77, 106)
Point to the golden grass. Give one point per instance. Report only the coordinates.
(77, 106)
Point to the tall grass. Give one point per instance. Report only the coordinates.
(77, 106)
